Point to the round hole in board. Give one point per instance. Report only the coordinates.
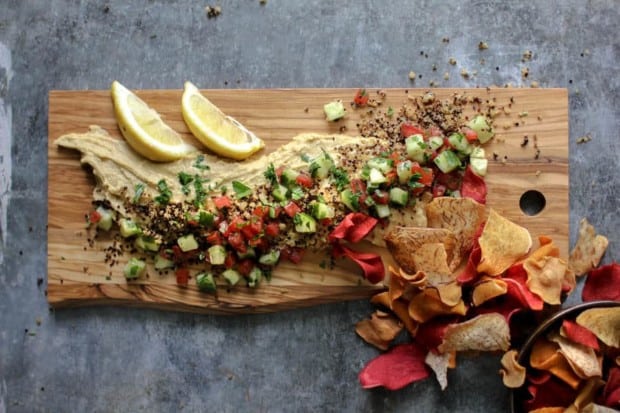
(532, 202)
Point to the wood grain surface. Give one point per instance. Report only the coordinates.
(78, 275)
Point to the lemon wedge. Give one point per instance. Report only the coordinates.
(220, 133)
(144, 130)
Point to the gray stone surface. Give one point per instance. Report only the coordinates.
(115, 359)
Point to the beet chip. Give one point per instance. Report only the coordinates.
(474, 187)
(602, 283)
(579, 334)
(551, 392)
(402, 365)
(611, 392)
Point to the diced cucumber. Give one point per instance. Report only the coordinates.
(382, 211)
(254, 277)
(250, 252)
(447, 161)
(416, 148)
(270, 258)
(187, 243)
(460, 143)
(399, 196)
(128, 228)
(206, 282)
(375, 177)
(134, 268)
(217, 254)
(162, 263)
(435, 142)
(279, 192)
(321, 210)
(106, 218)
(479, 166)
(231, 276)
(403, 170)
(369, 202)
(289, 177)
(304, 223)
(334, 110)
(147, 244)
(321, 165)
(482, 126)
(350, 199)
(382, 164)
(477, 152)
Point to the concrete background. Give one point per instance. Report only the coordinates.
(115, 359)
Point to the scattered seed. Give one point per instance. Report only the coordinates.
(452, 61)
(584, 139)
(412, 75)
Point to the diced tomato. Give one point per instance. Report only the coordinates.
(261, 211)
(451, 181)
(260, 243)
(222, 202)
(252, 230)
(407, 129)
(230, 260)
(470, 134)
(292, 209)
(357, 185)
(326, 222)
(272, 229)
(438, 190)
(214, 238)
(177, 254)
(434, 131)
(237, 242)
(94, 217)
(279, 171)
(381, 197)
(396, 157)
(245, 266)
(293, 254)
(304, 180)
(391, 177)
(426, 174)
(361, 97)
(182, 275)
(236, 224)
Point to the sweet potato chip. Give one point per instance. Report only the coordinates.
(602, 283)
(488, 289)
(582, 359)
(545, 356)
(502, 243)
(397, 368)
(439, 363)
(379, 330)
(513, 374)
(486, 332)
(432, 250)
(403, 284)
(400, 309)
(604, 323)
(462, 216)
(450, 294)
(427, 304)
(546, 277)
(588, 250)
(579, 334)
(548, 410)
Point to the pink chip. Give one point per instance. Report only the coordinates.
(580, 334)
(400, 366)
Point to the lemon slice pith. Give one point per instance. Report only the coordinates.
(220, 133)
(143, 128)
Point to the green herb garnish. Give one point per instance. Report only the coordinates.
(241, 189)
(199, 164)
(138, 191)
(199, 190)
(341, 179)
(390, 111)
(297, 193)
(270, 174)
(164, 193)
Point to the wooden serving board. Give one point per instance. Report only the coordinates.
(77, 274)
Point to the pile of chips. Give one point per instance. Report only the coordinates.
(458, 285)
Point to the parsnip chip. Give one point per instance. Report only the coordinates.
(462, 216)
(380, 330)
(582, 359)
(546, 277)
(513, 374)
(604, 323)
(597, 408)
(427, 304)
(439, 363)
(488, 289)
(502, 243)
(545, 356)
(486, 332)
(426, 249)
(588, 250)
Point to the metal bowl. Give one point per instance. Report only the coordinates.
(550, 323)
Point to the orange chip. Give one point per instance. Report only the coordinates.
(604, 323)
(502, 243)
(589, 249)
(380, 330)
(547, 249)
(486, 332)
(403, 284)
(488, 289)
(424, 249)
(513, 374)
(545, 356)
(400, 309)
(548, 410)
(546, 277)
(582, 359)
(427, 304)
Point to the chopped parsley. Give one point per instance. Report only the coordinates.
(164, 193)
(390, 111)
(185, 179)
(270, 174)
(199, 164)
(305, 157)
(199, 190)
(138, 191)
(241, 189)
(297, 193)
(341, 179)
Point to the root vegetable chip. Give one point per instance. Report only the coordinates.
(588, 250)
(582, 359)
(549, 392)
(586, 395)
(403, 284)
(579, 334)
(513, 374)
(516, 279)
(397, 368)
(604, 323)
(488, 289)
(432, 250)
(400, 309)
(502, 243)
(548, 410)
(545, 356)
(439, 363)
(450, 294)
(546, 277)
(486, 332)
(427, 304)
(611, 392)
(602, 283)
(380, 330)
